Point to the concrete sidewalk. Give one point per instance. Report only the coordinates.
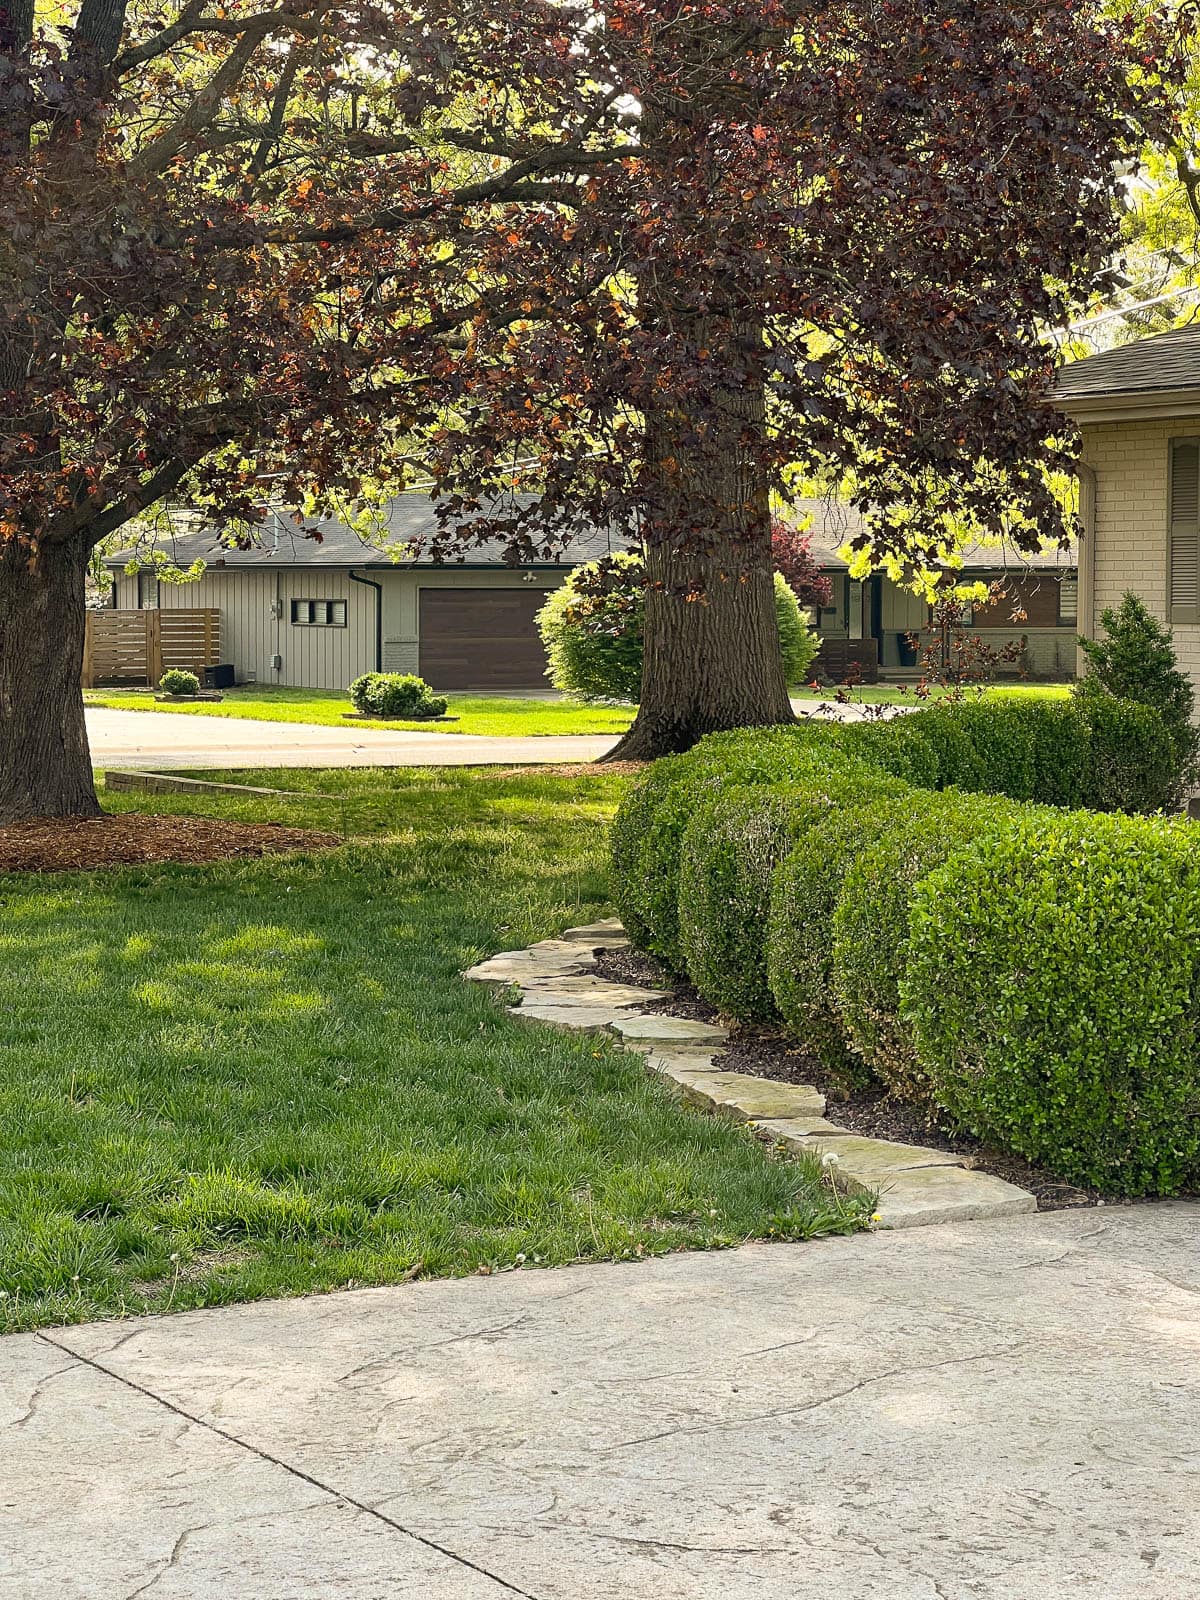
(986, 1411)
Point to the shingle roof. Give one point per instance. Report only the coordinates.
(1164, 362)
(409, 520)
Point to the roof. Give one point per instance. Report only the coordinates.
(1143, 375)
(409, 520)
(834, 523)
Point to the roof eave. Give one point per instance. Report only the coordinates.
(1139, 405)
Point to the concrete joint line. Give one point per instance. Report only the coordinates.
(286, 1466)
(916, 1185)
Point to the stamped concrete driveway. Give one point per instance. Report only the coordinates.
(160, 740)
(984, 1411)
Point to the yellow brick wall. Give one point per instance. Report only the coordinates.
(1130, 460)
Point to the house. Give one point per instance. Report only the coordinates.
(312, 614)
(317, 614)
(881, 628)
(1138, 410)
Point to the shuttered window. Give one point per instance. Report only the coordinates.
(1185, 530)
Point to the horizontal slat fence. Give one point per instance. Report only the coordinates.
(139, 646)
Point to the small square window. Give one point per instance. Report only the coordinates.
(318, 613)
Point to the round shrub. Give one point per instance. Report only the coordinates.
(390, 695)
(888, 744)
(177, 681)
(627, 837)
(592, 630)
(870, 926)
(1052, 978)
(731, 848)
(804, 895)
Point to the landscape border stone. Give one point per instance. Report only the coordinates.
(915, 1185)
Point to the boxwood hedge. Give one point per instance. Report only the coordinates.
(1052, 981)
(1025, 966)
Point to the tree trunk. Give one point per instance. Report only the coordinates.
(711, 657)
(45, 764)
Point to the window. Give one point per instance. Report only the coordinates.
(318, 613)
(1068, 602)
(147, 591)
(1185, 530)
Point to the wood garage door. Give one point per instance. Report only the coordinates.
(482, 638)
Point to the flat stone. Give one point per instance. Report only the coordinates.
(921, 1196)
(606, 930)
(734, 1094)
(868, 1162)
(521, 966)
(589, 990)
(668, 1030)
(570, 1018)
(793, 1131)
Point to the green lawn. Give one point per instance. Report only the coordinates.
(891, 694)
(267, 1078)
(483, 714)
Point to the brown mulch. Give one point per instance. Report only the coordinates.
(768, 1053)
(51, 844)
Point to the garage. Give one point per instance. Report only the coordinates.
(481, 638)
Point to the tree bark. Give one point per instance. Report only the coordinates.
(711, 658)
(45, 763)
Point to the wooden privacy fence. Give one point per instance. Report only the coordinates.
(139, 646)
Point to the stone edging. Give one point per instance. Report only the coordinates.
(915, 1185)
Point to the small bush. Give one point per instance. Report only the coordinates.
(394, 695)
(177, 681)
(1052, 982)
(731, 849)
(804, 895)
(593, 632)
(870, 926)
(1136, 661)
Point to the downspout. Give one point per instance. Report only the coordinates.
(378, 588)
(1086, 621)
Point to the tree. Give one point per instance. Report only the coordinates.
(792, 557)
(835, 241)
(223, 230)
(640, 257)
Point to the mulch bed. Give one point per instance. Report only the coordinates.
(767, 1053)
(49, 844)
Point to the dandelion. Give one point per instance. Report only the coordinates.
(830, 1160)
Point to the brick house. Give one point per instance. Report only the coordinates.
(1138, 409)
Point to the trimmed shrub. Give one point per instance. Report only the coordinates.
(870, 926)
(804, 895)
(178, 681)
(1052, 981)
(650, 889)
(731, 848)
(394, 695)
(631, 827)
(1133, 759)
(1136, 661)
(593, 640)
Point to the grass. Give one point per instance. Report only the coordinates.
(267, 1078)
(480, 714)
(891, 694)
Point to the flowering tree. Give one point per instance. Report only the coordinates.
(640, 257)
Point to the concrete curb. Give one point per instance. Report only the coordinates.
(916, 1186)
